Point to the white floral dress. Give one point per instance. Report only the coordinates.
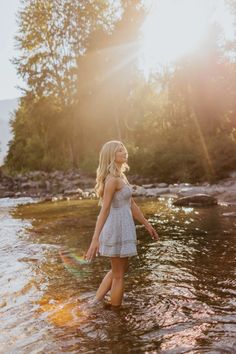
(118, 235)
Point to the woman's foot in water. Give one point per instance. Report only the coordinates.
(94, 303)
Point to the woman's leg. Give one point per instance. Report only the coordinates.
(106, 283)
(119, 266)
(105, 286)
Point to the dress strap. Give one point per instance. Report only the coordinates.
(127, 182)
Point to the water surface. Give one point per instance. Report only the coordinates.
(179, 296)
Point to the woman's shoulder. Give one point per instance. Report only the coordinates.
(111, 180)
(109, 176)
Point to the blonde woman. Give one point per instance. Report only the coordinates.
(115, 233)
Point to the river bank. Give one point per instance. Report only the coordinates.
(75, 184)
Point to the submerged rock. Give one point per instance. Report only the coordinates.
(197, 199)
(230, 214)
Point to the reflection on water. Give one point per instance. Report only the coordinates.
(179, 295)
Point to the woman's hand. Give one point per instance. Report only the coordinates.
(92, 251)
(152, 231)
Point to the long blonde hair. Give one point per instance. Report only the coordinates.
(107, 166)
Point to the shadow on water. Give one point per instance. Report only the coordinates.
(179, 292)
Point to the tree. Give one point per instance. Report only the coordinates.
(107, 74)
(53, 35)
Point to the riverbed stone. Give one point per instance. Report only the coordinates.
(188, 191)
(184, 185)
(48, 186)
(7, 194)
(22, 178)
(76, 183)
(18, 194)
(231, 214)
(47, 198)
(73, 191)
(162, 185)
(232, 174)
(139, 191)
(2, 187)
(197, 199)
(155, 192)
(30, 185)
(147, 186)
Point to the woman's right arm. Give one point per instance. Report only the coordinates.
(109, 190)
(138, 215)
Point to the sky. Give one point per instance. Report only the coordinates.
(8, 28)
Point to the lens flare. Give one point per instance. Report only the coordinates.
(74, 263)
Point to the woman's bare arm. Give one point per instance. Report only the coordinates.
(136, 212)
(109, 190)
(138, 215)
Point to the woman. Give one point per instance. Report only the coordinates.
(115, 233)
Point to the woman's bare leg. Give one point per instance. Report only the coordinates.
(105, 286)
(119, 266)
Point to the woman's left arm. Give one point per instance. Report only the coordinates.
(138, 215)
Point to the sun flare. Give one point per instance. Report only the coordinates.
(174, 28)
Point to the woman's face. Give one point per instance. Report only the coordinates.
(121, 155)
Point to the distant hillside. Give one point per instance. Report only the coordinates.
(6, 108)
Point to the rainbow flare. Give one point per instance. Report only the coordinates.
(74, 263)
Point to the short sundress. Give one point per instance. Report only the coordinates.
(118, 236)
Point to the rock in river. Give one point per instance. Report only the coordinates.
(197, 199)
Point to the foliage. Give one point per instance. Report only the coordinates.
(79, 60)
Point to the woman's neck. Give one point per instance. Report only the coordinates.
(119, 166)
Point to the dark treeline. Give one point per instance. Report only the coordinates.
(79, 61)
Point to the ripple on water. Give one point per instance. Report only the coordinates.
(180, 292)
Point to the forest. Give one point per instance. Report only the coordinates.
(80, 63)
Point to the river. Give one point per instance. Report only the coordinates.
(179, 291)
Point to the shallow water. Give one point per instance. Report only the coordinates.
(180, 291)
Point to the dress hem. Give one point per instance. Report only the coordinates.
(118, 255)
